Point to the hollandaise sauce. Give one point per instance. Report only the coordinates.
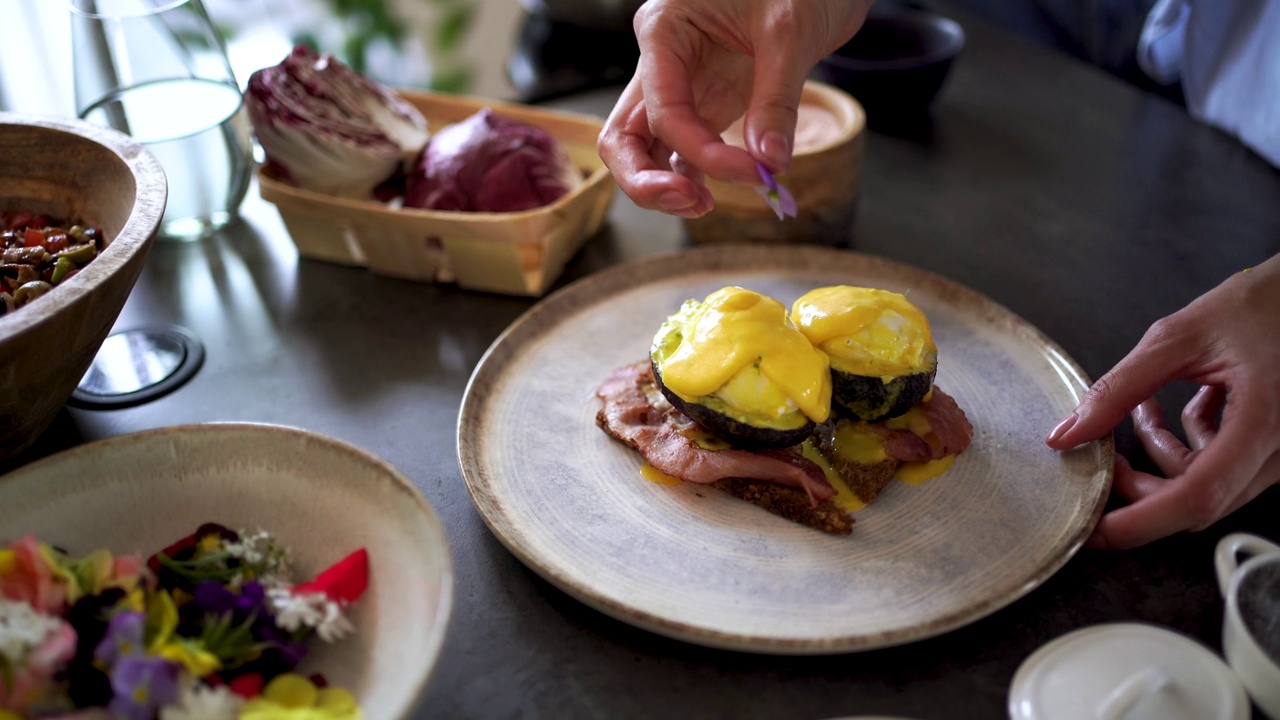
(739, 335)
(653, 474)
(916, 473)
(869, 331)
(845, 499)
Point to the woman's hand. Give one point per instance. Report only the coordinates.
(1228, 341)
(703, 63)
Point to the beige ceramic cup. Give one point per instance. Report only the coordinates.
(1251, 625)
(825, 177)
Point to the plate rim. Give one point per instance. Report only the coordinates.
(747, 257)
(432, 650)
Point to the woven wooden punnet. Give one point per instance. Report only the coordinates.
(519, 253)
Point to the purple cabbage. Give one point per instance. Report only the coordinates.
(490, 163)
(325, 127)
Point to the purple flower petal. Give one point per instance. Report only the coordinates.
(141, 685)
(776, 196)
(123, 637)
(213, 597)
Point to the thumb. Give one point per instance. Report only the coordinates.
(769, 126)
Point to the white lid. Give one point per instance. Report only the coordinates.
(1125, 671)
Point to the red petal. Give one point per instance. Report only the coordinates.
(172, 551)
(344, 582)
(247, 686)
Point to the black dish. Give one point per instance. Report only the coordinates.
(896, 64)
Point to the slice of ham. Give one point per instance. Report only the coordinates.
(951, 432)
(637, 414)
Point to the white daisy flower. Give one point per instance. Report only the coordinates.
(197, 701)
(22, 629)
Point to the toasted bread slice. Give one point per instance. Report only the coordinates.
(866, 473)
(789, 502)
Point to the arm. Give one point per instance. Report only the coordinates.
(704, 63)
(1228, 341)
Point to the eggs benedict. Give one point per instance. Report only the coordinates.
(807, 414)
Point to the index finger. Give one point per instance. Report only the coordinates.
(674, 119)
(1159, 358)
(625, 146)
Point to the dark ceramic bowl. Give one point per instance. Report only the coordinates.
(896, 64)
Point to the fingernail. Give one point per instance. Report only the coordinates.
(777, 150)
(1061, 428)
(672, 201)
(1096, 541)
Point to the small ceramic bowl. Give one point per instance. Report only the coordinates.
(825, 177)
(319, 497)
(73, 171)
(896, 64)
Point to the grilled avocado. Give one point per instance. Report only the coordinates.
(882, 354)
(735, 365)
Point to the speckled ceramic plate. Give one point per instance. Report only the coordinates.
(320, 497)
(692, 563)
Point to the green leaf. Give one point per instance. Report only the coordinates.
(306, 39)
(353, 49)
(453, 28)
(457, 80)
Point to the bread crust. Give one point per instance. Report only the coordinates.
(866, 480)
(790, 503)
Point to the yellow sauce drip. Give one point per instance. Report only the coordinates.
(653, 474)
(845, 499)
(915, 473)
(735, 328)
(916, 421)
(865, 331)
(705, 440)
(859, 443)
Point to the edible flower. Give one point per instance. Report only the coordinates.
(777, 197)
(29, 576)
(191, 635)
(345, 581)
(142, 685)
(318, 604)
(33, 646)
(295, 611)
(197, 701)
(123, 638)
(293, 697)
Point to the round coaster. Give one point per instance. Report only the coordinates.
(1128, 671)
(136, 366)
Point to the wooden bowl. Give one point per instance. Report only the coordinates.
(73, 171)
(825, 177)
(515, 253)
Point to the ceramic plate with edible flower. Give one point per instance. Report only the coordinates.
(310, 580)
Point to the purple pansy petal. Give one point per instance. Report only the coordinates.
(212, 597)
(786, 202)
(141, 684)
(776, 196)
(291, 652)
(766, 176)
(123, 637)
(254, 593)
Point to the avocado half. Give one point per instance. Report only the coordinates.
(879, 344)
(876, 398)
(733, 425)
